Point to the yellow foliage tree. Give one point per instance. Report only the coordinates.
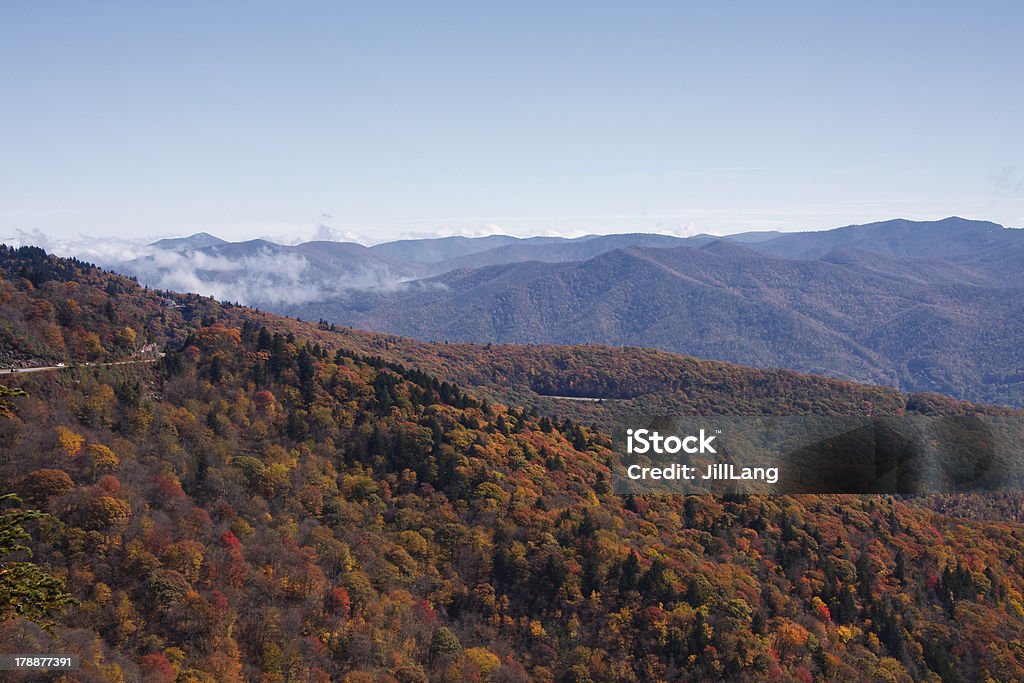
(69, 442)
(482, 662)
(101, 459)
(127, 337)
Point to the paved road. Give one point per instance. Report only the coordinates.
(580, 398)
(49, 368)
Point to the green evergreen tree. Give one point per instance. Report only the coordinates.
(25, 588)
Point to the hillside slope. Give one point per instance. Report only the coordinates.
(918, 324)
(267, 504)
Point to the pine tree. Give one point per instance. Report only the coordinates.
(25, 588)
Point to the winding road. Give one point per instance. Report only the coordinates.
(49, 368)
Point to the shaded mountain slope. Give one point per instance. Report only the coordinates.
(912, 323)
(549, 250)
(436, 250)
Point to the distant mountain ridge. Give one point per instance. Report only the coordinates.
(564, 251)
(948, 238)
(440, 249)
(924, 306)
(200, 240)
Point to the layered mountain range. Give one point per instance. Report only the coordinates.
(922, 306)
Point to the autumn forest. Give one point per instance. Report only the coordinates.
(205, 492)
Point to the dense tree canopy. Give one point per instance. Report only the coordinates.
(273, 501)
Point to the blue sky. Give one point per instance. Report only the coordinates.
(385, 119)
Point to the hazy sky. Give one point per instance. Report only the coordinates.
(248, 119)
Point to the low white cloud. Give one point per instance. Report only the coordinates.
(684, 230)
(265, 277)
(326, 232)
(485, 230)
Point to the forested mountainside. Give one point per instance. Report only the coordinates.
(265, 502)
(919, 324)
(622, 383)
(62, 310)
(67, 321)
